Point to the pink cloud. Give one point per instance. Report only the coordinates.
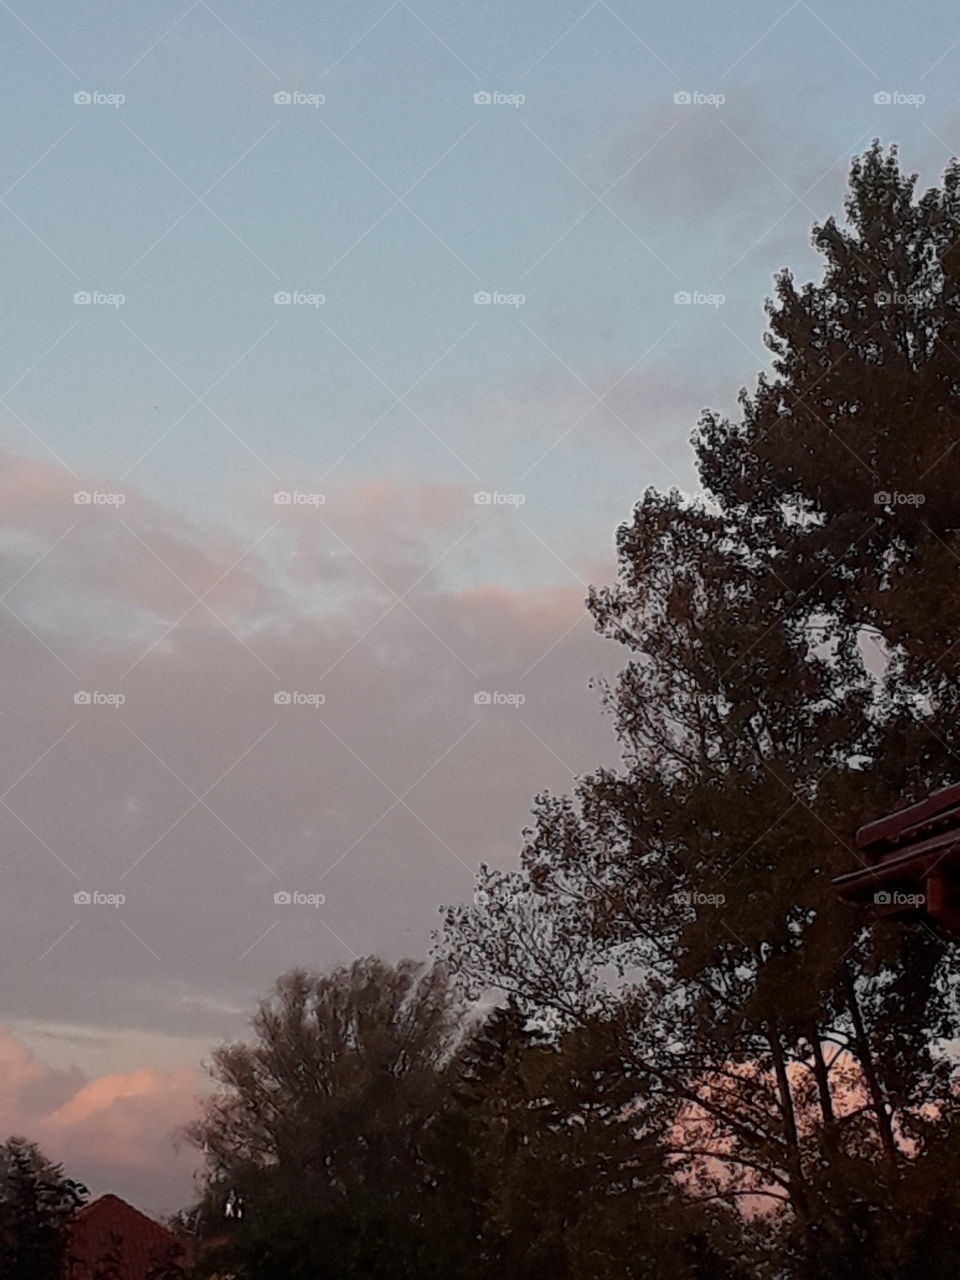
(113, 1132)
(136, 555)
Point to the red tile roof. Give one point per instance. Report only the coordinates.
(144, 1242)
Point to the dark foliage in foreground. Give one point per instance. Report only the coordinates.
(371, 1131)
(37, 1201)
(792, 673)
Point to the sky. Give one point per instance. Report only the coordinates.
(336, 340)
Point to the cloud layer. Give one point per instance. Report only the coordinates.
(377, 780)
(113, 1132)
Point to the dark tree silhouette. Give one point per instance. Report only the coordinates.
(37, 1202)
(329, 1128)
(796, 1053)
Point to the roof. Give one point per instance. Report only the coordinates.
(910, 862)
(143, 1242)
(939, 811)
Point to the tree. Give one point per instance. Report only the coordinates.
(577, 1184)
(331, 1129)
(841, 470)
(793, 1053)
(36, 1204)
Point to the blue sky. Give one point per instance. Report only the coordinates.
(199, 198)
(584, 209)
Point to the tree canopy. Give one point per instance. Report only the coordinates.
(789, 1054)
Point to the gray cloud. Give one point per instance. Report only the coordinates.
(199, 797)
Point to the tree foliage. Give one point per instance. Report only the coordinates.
(789, 1055)
(331, 1127)
(37, 1202)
